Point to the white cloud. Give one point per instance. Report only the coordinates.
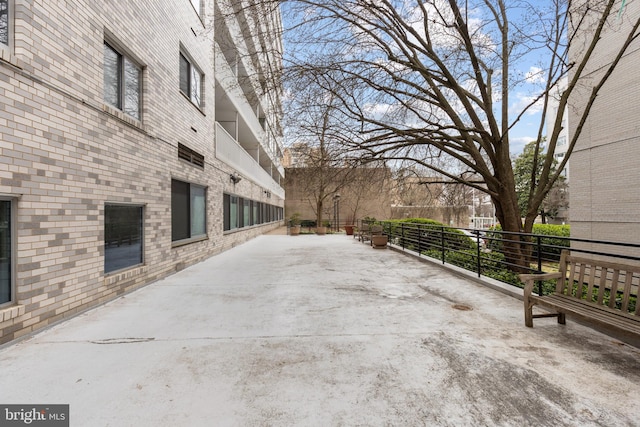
(535, 75)
(523, 101)
(517, 144)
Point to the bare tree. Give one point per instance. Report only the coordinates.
(433, 79)
(318, 133)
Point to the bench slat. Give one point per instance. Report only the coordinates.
(583, 309)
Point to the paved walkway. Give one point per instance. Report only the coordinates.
(322, 331)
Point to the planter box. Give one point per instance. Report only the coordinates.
(379, 241)
(349, 229)
(321, 230)
(295, 230)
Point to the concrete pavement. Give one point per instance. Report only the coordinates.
(322, 331)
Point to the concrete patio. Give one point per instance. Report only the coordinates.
(322, 331)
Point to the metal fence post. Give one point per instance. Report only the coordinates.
(478, 252)
(539, 250)
(442, 243)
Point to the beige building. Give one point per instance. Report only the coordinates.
(605, 166)
(363, 192)
(374, 192)
(136, 138)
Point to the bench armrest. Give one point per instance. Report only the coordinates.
(529, 280)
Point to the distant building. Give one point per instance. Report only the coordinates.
(364, 192)
(136, 138)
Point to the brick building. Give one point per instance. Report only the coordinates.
(136, 138)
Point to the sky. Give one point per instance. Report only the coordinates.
(527, 128)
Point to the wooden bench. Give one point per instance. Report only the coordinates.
(594, 290)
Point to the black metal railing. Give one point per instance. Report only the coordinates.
(498, 254)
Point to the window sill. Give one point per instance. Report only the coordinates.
(8, 57)
(185, 242)
(124, 274)
(123, 117)
(12, 312)
(194, 104)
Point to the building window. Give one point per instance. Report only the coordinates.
(190, 81)
(4, 22)
(254, 214)
(239, 212)
(123, 237)
(6, 252)
(246, 213)
(188, 211)
(562, 140)
(122, 82)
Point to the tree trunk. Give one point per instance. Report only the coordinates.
(515, 250)
(319, 207)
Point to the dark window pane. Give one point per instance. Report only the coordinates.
(4, 21)
(132, 89)
(111, 76)
(233, 215)
(246, 213)
(180, 228)
(122, 237)
(254, 217)
(5, 251)
(226, 204)
(184, 75)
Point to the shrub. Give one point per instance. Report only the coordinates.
(422, 234)
(553, 239)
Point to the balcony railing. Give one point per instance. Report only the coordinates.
(230, 152)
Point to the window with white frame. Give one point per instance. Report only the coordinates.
(188, 210)
(5, 21)
(190, 80)
(6, 252)
(122, 82)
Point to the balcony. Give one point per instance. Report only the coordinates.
(228, 150)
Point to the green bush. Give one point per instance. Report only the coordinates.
(553, 239)
(492, 264)
(422, 234)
